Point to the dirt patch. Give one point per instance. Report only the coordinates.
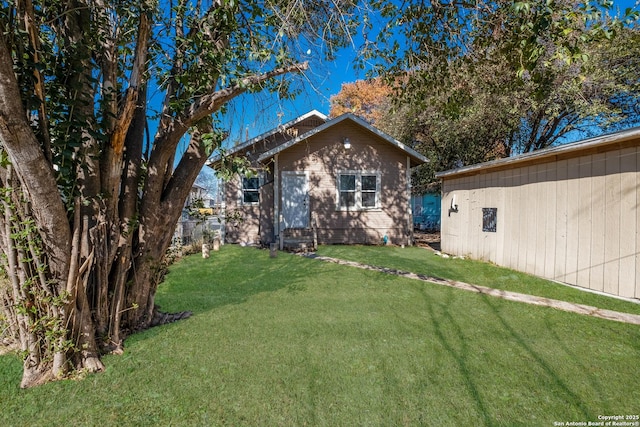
(427, 240)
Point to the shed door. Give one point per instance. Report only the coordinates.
(295, 200)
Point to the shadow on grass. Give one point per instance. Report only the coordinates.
(457, 349)
(562, 344)
(424, 263)
(571, 399)
(451, 334)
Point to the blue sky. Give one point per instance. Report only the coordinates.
(254, 114)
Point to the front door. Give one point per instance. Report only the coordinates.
(295, 200)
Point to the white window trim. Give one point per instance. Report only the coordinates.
(358, 192)
(241, 190)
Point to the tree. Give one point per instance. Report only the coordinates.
(89, 203)
(463, 126)
(599, 91)
(487, 79)
(369, 99)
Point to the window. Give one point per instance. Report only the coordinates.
(369, 190)
(347, 190)
(489, 219)
(250, 190)
(358, 190)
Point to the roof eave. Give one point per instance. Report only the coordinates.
(211, 162)
(415, 156)
(602, 140)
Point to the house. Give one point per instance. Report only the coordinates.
(190, 228)
(568, 213)
(324, 181)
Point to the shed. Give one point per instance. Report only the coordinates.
(567, 213)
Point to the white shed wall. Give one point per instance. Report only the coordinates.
(573, 219)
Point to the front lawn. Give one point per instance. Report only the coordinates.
(293, 341)
(423, 261)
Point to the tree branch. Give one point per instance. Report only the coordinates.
(166, 141)
(209, 104)
(164, 147)
(187, 170)
(39, 89)
(129, 104)
(32, 168)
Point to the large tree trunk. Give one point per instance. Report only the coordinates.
(83, 249)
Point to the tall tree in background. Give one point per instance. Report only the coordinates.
(88, 204)
(369, 99)
(488, 79)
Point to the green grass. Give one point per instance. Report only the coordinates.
(422, 261)
(291, 341)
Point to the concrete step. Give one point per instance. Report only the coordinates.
(299, 239)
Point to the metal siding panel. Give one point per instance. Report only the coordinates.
(473, 217)
(550, 229)
(461, 217)
(531, 214)
(445, 228)
(500, 204)
(484, 193)
(628, 224)
(598, 197)
(516, 215)
(542, 198)
(612, 223)
(451, 221)
(573, 221)
(524, 219)
(507, 218)
(560, 262)
(493, 203)
(585, 206)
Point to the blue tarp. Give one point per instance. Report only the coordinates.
(426, 211)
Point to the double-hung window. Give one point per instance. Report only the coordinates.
(347, 190)
(358, 190)
(250, 190)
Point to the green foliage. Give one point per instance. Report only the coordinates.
(231, 165)
(196, 49)
(479, 81)
(90, 76)
(36, 300)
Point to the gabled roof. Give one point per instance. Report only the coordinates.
(415, 156)
(573, 149)
(280, 128)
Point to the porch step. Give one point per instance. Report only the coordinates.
(299, 239)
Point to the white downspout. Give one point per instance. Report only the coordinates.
(276, 198)
(409, 211)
